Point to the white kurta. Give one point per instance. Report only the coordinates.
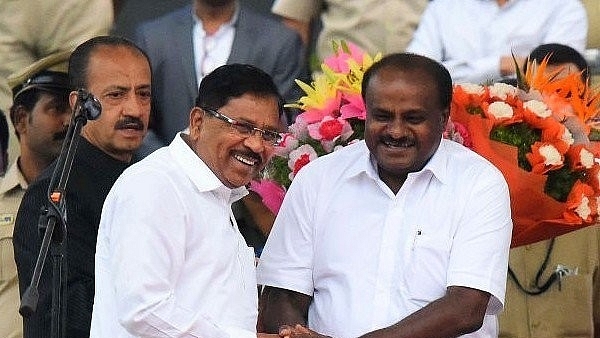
(370, 258)
(169, 262)
(470, 36)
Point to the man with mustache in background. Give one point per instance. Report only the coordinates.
(118, 73)
(170, 260)
(40, 115)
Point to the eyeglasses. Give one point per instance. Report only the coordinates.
(247, 129)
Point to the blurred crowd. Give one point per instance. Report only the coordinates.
(186, 40)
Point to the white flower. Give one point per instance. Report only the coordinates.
(551, 155)
(583, 209)
(472, 89)
(299, 128)
(567, 137)
(502, 90)
(500, 110)
(539, 108)
(586, 158)
(288, 144)
(305, 153)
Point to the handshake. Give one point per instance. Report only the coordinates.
(297, 331)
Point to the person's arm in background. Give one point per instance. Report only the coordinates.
(427, 40)
(569, 26)
(298, 15)
(26, 243)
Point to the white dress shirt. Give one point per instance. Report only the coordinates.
(370, 258)
(169, 261)
(212, 51)
(470, 36)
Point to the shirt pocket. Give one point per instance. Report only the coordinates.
(8, 268)
(426, 269)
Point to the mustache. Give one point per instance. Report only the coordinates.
(400, 142)
(129, 122)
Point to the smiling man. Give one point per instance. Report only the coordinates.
(118, 73)
(404, 234)
(170, 260)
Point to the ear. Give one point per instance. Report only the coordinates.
(72, 99)
(20, 120)
(444, 118)
(196, 119)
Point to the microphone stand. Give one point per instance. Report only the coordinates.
(53, 219)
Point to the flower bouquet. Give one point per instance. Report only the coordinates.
(537, 136)
(333, 115)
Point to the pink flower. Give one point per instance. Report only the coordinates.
(354, 108)
(339, 61)
(287, 144)
(270, 192)
(458, 133)
(331, 107)
(300, 157)
(329, 130)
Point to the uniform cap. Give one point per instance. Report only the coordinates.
(49, 73)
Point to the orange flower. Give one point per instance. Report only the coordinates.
(556, 133)
(582, 205)
(569, 95)
(544, 157)
(592, 177)
(579, 158)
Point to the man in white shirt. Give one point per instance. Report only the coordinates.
(475, 39)
(170, 261)
(400, 235)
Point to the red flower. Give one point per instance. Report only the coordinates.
(330, 129)
(303, 160)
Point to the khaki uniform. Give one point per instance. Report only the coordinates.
(593, 12)
(12, 189)
(32, 29)
(384, 26)
(568, 312)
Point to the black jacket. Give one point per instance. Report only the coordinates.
(93, 174)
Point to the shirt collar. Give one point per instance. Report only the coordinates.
(437, 164)
(230, 23)
(199, 173)
(13, 179)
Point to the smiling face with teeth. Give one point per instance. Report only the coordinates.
(233, 158)
(404, 124)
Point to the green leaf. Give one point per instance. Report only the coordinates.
(560, 182)
(520, 135)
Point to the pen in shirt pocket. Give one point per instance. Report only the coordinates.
(417, 234)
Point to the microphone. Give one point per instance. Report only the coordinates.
(89, 105)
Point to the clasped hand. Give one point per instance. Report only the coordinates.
(297, 331)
